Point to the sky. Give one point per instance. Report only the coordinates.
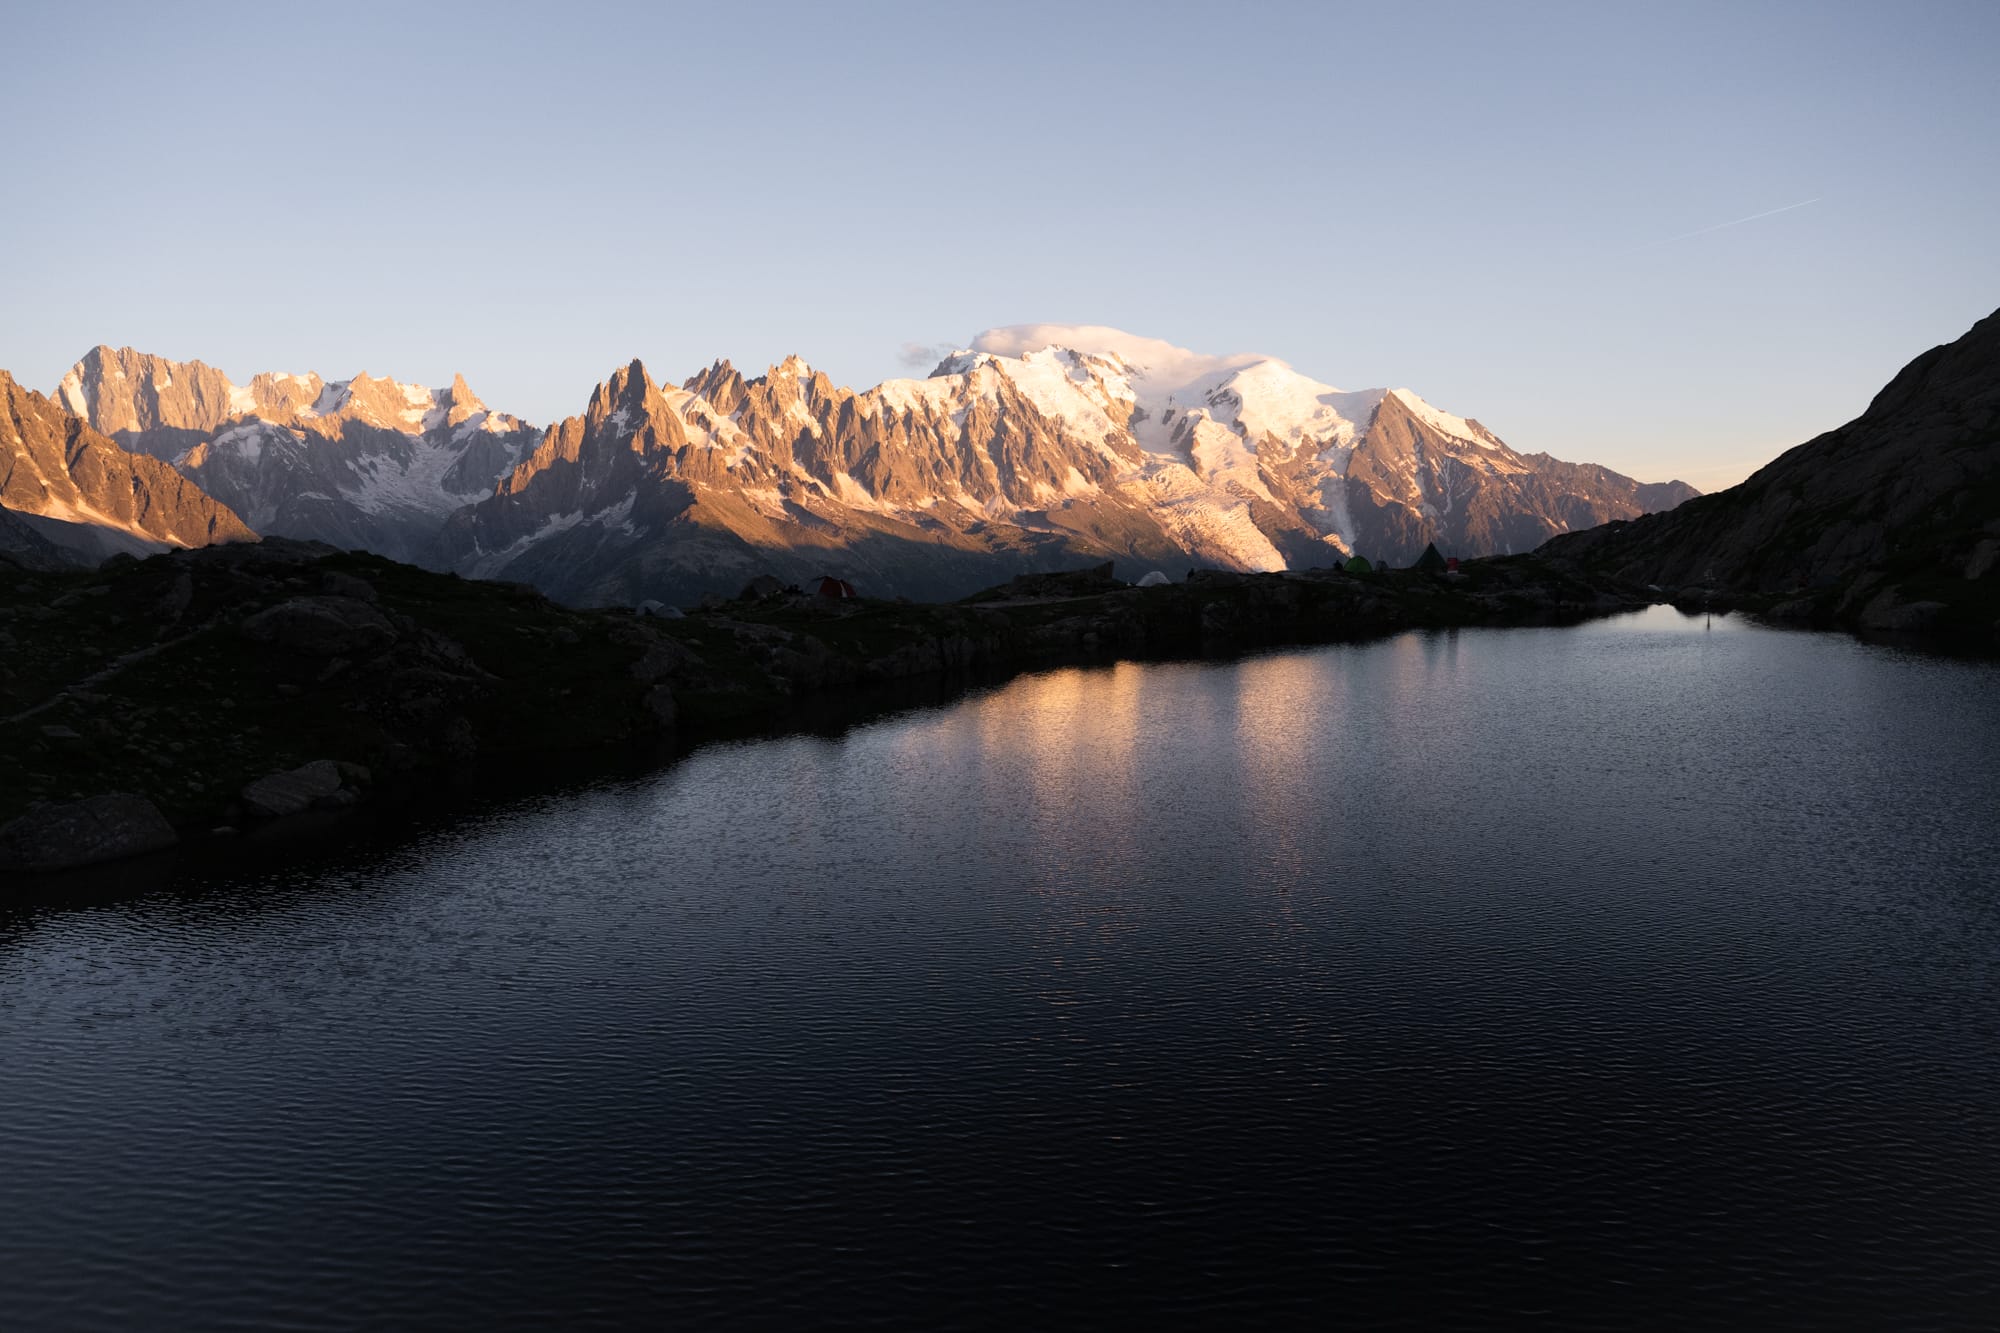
(1672, 239)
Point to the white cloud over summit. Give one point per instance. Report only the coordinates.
(1167, 367)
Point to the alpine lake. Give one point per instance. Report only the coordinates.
(1638, 974)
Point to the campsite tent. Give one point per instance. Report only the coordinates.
(1430, 561)
(1155, 580)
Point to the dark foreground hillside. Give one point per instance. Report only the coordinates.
(1891, 522)
(146, 702)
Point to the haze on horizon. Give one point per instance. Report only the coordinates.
(1674, 243)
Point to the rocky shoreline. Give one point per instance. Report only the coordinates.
(204, 694)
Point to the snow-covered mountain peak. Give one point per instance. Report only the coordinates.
(1167, 390)
(1444, 422)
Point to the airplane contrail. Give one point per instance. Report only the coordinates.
(1767, 213)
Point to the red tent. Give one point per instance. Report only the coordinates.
(829, 586)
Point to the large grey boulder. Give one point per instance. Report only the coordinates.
(1887, 611)
(1985, 558)
(663, 658)
(660, 703)
(173, 603)
(323, 627)
(278, 794)
(336, 584)
(82, 833)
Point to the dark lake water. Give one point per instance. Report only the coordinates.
(1638, 974)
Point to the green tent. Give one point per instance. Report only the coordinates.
(1430, 561)
(1360, 565)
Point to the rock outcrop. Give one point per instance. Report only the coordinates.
(323, 627)
(80, 833)
(317, 785)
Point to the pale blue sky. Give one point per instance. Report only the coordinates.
(1477, 201)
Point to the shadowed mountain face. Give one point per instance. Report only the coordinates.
(998, 463)
(362, 463)
(22, 544)
(1891, 521)
(83, 492)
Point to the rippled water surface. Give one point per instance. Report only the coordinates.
(1636, 974)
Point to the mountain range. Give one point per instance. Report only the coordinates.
(1035, 448)
(361, 463)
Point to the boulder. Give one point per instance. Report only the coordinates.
(1064, 584)
(1887, 611)
(660, 703)
(1797, 611)
(173, 603)
(459, 739)
(323, 627)
(81, 833)
(663, 658)
(278, 794)
(336, 584)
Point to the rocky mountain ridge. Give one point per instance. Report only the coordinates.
(1029, 457)
(362, 463)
